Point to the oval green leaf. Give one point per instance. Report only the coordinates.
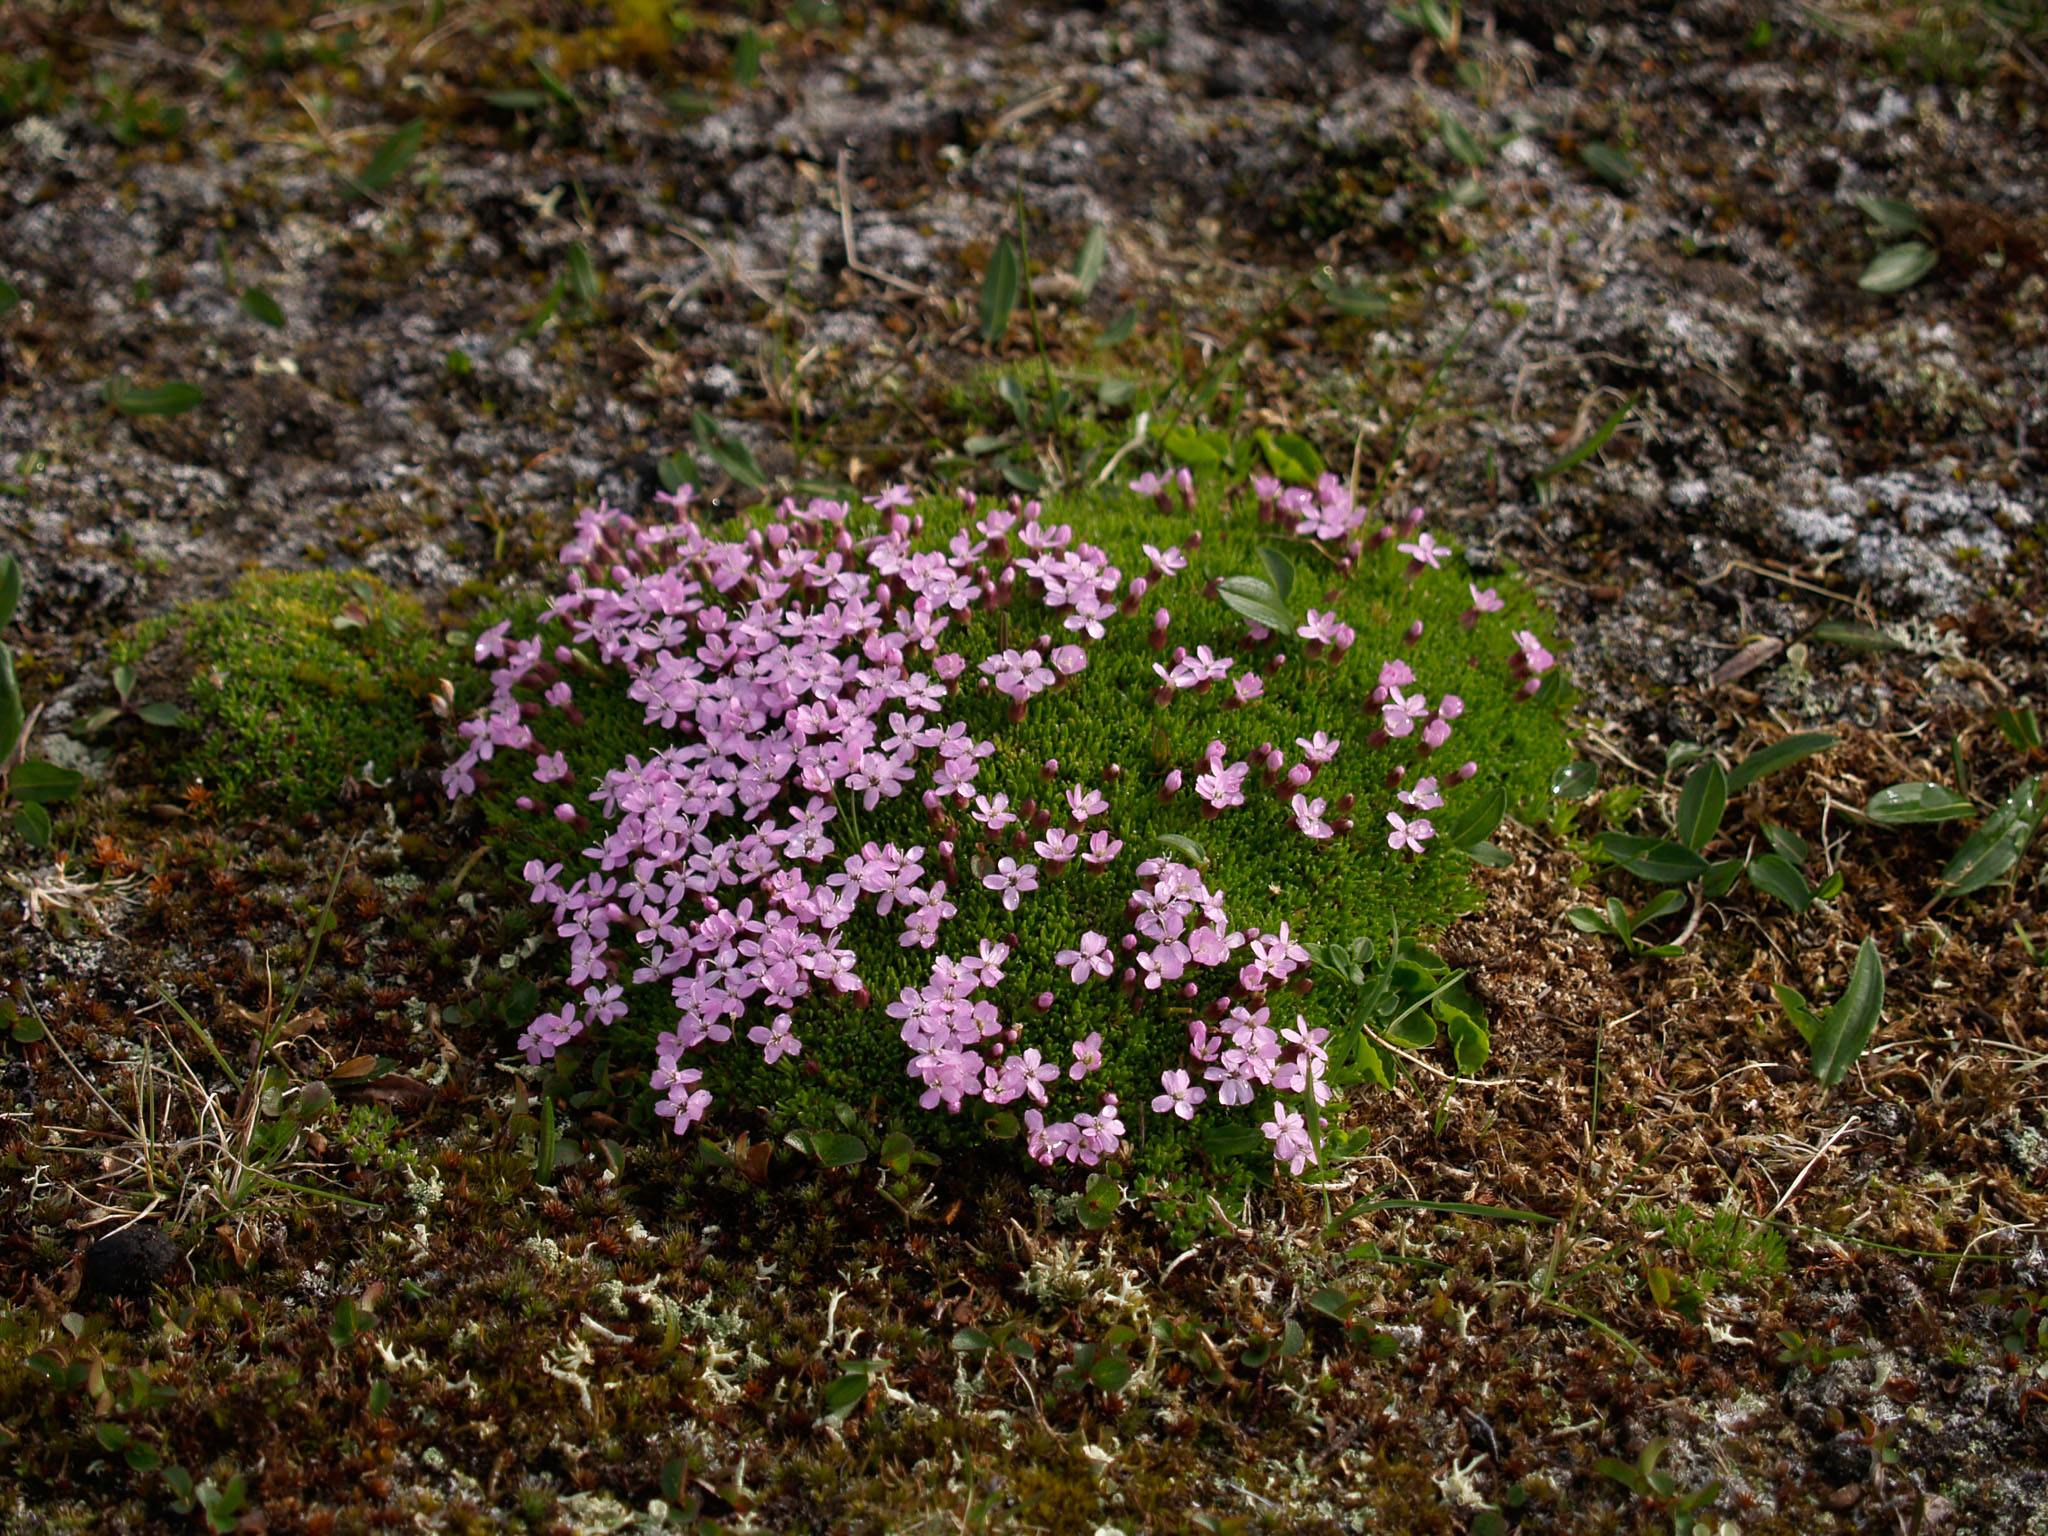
(1656, 859)
(1845, 1030)
(173, 399)
(1896, 270)
(1701, 804)
(999, 288)
(1779, 754)
(1088, 264)
(262, 308)
(1913, 804)
(1776, 876)
(1575, 781)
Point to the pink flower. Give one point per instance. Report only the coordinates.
(1308, 816)
(1289, 1134)
(1425, 551)
(1012, 881)
(1318, 749)
(1408, 835)
(1102, 848)
(1085, 803)
(1423, 797)
(1532, 658)
(1092, 958)
(777, 1042)
(1181, 1096)
(1166, 561)
(1087, 1056)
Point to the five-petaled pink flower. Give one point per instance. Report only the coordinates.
(1408, 835)
(1012, 881)
(1181, 1095)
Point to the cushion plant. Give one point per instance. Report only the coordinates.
(1018, 817)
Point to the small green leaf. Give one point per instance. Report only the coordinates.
(457, 362)
(1720, 878)
(1656, 859)
(1890, 213)
(1914, 804)
(1470, 1041)
(727, 452)
(1590, 920)
(1111, 393)
(2021, 726)
(1995, 847)
(1279, 571)
(1853, 636)
(1000, 286)
(972, 1341)
(1186, 847)
(1478, 821)
(1010, 390)
(1088, 264)
(1294, 459)
(1195, 448)
(393, 156)
(1896, 270)
(1332, 1303)
(582, 276)
(9, 295)
(260, 306)
(1779, 754)
(1575, 781)
(161, 713)
(1571, 458)
(1608, 163)
(1002, 1126)
(1701, 804)
(836, 1149)
(746, 58)
(1846, 1028)
(517, 99)
(1776, 876)
(1349, 300)
(10, 591)
(27, 1029)
(1257, 601)
(32, 825)
(1487, 855)
(1663, 904)
(1100, 1201)
(1118, 331)
(1459, 140)
(40, 783)
(845, 1394)
(173, 399)
(556, 86)
(1791, 847)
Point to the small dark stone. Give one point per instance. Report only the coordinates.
(129, 1262)
(1843, 1460)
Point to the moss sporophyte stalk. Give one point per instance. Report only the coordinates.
(1024, 818)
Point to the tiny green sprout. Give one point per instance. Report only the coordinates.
(1660, 1489)
(1840, 1036)
(160, 713)
(1618, 922)
(1811, 1351)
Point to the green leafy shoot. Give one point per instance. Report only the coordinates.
(2021, 726)
(1917, 804)
(727, 452)
(1574, 457)
(1990, 852)
(1000, 287)
(1611, 165)
(1701, 804)
(1898, 268)
(259, 306)
(1088, 264)
(1779, 754)
(1891, 214)
(1617, 922)
(392, 157)
(173, 399)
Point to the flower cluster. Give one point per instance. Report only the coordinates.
(827, 799)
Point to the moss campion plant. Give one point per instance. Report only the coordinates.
(1021, 818)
